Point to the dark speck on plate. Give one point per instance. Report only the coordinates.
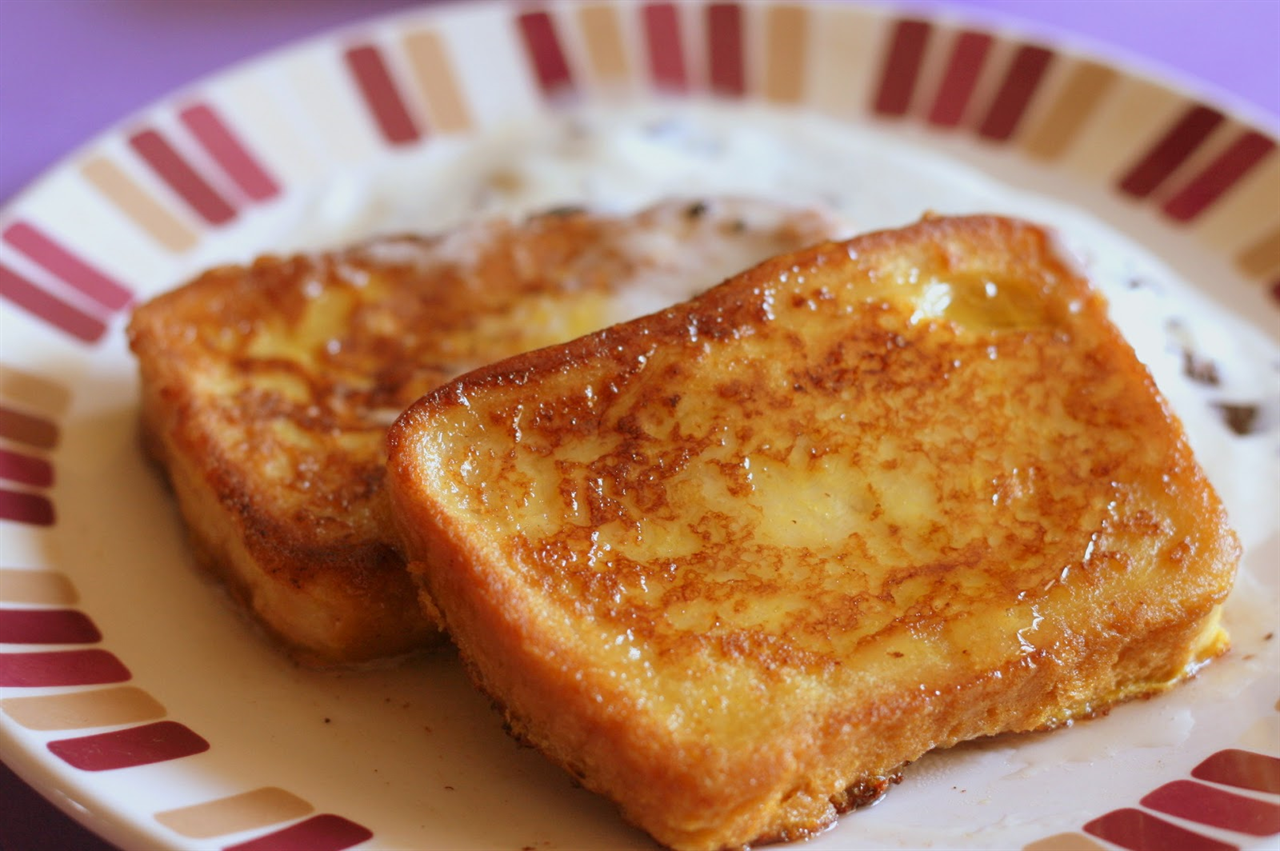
(1200, 370)
(1240, 418)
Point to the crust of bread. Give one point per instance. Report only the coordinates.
(735, 564)
(267, 389)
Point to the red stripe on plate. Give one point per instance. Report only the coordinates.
(61, 668)
(1181, 140)
(30, 508)
(324, 832)
(25, 469)
(1139, 831)
(34, 431)
(181, 177)
(47, 626)
(726, 73)
(1204, 804)
(967, 58)
(1016, 91)
(48, 308)
(543, 46)
(143, 745)
(1219, 176)
(902, 67)
(1242, 769)
(380, 93)
(666, 53)
(66, 266)
(216, 138)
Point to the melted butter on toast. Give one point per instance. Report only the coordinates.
(268, 389)
(734, 562)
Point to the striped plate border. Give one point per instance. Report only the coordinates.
(154, 191)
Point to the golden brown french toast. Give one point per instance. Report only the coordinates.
(736, 563)
(267, 390)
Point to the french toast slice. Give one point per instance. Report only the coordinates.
(735, 564)
(267, 389)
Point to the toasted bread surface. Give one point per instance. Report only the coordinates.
(267, 389)
(736, 563)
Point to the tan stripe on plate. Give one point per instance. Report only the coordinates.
(81, 709)
(847, 48)
(1065, 842)
(42, 395)
(322, 85)
(1245, 215)
(1083, 89)
(606, 52)
(1262, 258)
(1133, 117)
(38, 587)
(786, 29)
(136, 203)
(432, 73)
(249, 810)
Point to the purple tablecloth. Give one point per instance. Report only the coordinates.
(71, 68)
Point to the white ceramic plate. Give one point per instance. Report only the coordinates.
(134, 696)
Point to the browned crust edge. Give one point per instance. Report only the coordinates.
(664, 786)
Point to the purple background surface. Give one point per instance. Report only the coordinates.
(70, 69)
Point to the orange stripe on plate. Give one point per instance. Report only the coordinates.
(79, 710)
(1132, 117)
(1085, 87)
(433, 74)
(787, 29)
(842, 37)
(1262, 257)
(45, 396)
(246, 811)
(37, 587)
(606, 50)
(138, 204)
